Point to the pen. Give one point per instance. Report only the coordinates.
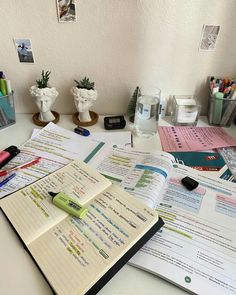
(2, 183)
(23, 166)
(68, 204)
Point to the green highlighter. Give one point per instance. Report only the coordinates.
(218, 105)
(68, 204)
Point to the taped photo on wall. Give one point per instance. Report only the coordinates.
(209, 37)
(24, 50)
(66, 10)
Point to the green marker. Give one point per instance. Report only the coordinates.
(69, 205)
(3, 87)
(218, 105)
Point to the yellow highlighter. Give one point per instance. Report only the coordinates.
(68, 204)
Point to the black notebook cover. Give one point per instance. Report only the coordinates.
(116, 267)
(125, 258)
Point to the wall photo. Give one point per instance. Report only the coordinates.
(24, 50)
(209, 37)
(66, 10)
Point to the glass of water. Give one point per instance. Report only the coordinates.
(147, 111)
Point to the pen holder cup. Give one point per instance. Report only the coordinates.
(7, 110)
(221, 111)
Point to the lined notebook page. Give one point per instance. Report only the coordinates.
(30, 215)
(31, 210)
(75, 253)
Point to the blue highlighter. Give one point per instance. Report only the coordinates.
(81, 131)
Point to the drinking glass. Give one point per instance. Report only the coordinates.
(147, 111)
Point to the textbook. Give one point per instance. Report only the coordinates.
(79, 256)
(196, 247)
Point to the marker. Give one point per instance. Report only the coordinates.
(8, 86)
(189, 183)
(218, 105)
(81, 131)
(3, 87)
(68, 204)
(7, 154)
(2, 183)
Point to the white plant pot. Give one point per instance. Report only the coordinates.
(44, 99)
(83, 99)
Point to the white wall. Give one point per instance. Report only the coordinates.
(119, 44)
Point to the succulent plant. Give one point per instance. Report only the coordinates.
(43, 82)
(85, 83)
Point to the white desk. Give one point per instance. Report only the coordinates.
(18, 273)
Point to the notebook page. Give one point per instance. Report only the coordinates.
(31, 210)
(76, 253)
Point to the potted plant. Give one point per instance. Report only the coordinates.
(84, 94)
(44, 97)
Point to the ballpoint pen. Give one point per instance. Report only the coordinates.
(22, 166)
(2, 183)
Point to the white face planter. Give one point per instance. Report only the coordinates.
(44, 99)
(83, 99)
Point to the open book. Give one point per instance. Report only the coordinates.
(78, 256)
(196, 248)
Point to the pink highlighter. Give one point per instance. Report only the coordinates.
(7, 154)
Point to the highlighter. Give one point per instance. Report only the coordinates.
(68, 204)
(82, 131)
(3, 87)
(218, 105)
(7, 154)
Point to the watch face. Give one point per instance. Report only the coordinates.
(114, 120)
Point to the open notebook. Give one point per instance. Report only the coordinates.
(78, 256)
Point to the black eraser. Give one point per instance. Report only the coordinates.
(189, 183)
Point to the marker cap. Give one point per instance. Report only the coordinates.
(8, 154)
(11, 149)
(82, 131)
(189, 183)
